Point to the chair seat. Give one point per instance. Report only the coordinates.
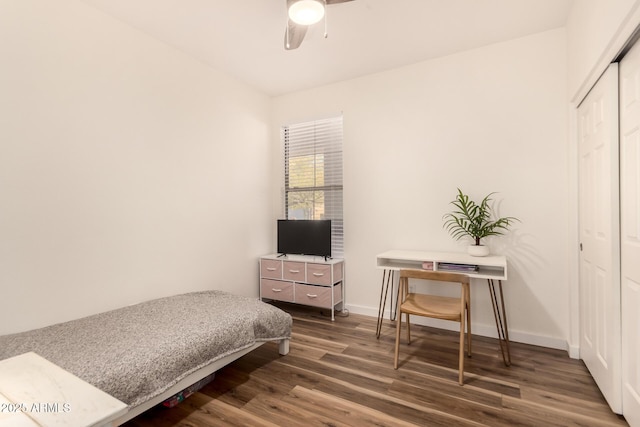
(438, 307)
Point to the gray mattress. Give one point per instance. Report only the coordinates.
(137, 352)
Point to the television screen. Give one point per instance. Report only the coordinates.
(304, 237)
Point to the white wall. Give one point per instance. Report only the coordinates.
(490, 119)
(128, 170)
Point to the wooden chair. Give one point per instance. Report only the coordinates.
(438, 307)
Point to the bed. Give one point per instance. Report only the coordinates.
(145, 353)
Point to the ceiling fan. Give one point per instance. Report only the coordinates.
(303, 13)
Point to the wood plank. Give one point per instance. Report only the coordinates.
(569, 404)
(344, 411)
(221, 414)
(551, 416)
(288, 413)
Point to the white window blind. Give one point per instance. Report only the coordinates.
(313, 175)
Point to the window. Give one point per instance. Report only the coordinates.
(313, 174)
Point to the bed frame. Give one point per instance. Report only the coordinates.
(194, 377)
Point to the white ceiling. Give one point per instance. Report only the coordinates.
(245, 38)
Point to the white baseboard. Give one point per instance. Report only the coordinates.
(574, 351)
(484, 330)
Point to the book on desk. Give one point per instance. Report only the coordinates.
(463, 268)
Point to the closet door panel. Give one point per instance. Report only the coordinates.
(630, 232)
(600, 346)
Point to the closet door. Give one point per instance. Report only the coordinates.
(600, 236)
(630, 232)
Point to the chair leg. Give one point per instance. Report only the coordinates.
(461, 353)
(397, 350)
(408, 330)
(469, 329)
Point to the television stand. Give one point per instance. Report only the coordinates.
(303, 279)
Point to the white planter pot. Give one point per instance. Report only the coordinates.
(478, 250)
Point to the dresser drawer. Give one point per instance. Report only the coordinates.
(271, 268)
(293, 270)
(319, 274)
(319, 296)
(276, 289)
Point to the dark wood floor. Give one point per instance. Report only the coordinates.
(339, 374)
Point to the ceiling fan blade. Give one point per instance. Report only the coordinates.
(337, 1)
(293, 35)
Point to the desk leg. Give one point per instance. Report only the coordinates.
(500, 315)
(384, 290)
(392, 306)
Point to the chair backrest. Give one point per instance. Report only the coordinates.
(438, 276)
(441, 276)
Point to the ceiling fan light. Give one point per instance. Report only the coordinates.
(306, 12)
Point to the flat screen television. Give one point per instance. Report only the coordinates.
(304, 237)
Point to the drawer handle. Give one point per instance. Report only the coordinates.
(271, 269)
(294, 271)
(318, 274)
(276, 290)
(312, 295)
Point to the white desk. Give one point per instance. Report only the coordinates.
(492, 268)
(35, 392)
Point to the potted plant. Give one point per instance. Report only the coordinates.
(475, 220)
